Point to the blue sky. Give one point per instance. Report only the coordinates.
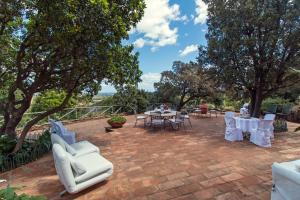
(170, 30)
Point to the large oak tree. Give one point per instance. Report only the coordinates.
(185, 82)
(254, 45)
(65, 45)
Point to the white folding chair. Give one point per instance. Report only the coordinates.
(262, 135)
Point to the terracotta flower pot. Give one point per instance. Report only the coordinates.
(115, 124)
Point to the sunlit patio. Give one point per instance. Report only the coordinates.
(167, 164)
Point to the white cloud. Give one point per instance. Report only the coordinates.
(188, 50)
(148, 80)
(139, 43)
(155, 25)
(201, 11)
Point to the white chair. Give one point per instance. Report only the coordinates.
(286, 181)
(140, 118)
(262, 135)
(75, 149)
(58, 128)
(79, 173)
(229, 114)
(185, 116)
(156, 120)
(177, 121)
(271, 117)
(232, 133)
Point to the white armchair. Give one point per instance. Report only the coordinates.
(262, 135)
(81, 172)
(58, 128)
(75, 149)
(286, 181)
(232, 133)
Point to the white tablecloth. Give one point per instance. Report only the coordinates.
(166, 114)
(246, 124)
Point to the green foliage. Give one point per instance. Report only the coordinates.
(232, 104)
(62, 45)
(6, 144)
(297, 129)
(185, 82)
(130, 98)
(253, 46)
(31, 150)
(117, 119)
(280, 126)
(273, 101)
(10, 194)
(50, 99)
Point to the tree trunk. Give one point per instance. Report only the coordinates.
(180, 105)
(5, 121)
(32, 122)
(258, 102)
(252, 101)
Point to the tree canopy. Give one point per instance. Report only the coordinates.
(69, 46)
(254, 45)
(185, 82)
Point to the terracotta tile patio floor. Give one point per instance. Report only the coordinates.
(196, 164)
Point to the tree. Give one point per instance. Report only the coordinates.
(185, 82)
(132, 99)
(50, 99)
(69, 46)
(254, 45)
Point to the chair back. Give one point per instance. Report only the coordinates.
(63, 167)
(270, 116)
(56, 139)
(230, 122)
(265, 124)
(229, 114)
(179, 115)
(155, 115)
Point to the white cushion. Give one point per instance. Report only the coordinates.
(94, 165)
(70, 150)
(77, 167)
(84, 147)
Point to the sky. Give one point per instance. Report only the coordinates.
(170, 30)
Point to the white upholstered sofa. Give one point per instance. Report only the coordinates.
(75, 149)
(77, 173)
(286, 181)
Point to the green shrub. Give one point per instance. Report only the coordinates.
(10, 194)
(297, 129)
(229, 108)
(30, 151)
(280, 126)
(117, 119)
(232, 104)
(273, 101)
(6, 144)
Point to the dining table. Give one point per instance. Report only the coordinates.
(164, 114)
(246, 124)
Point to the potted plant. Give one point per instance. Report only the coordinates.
(116, 121)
